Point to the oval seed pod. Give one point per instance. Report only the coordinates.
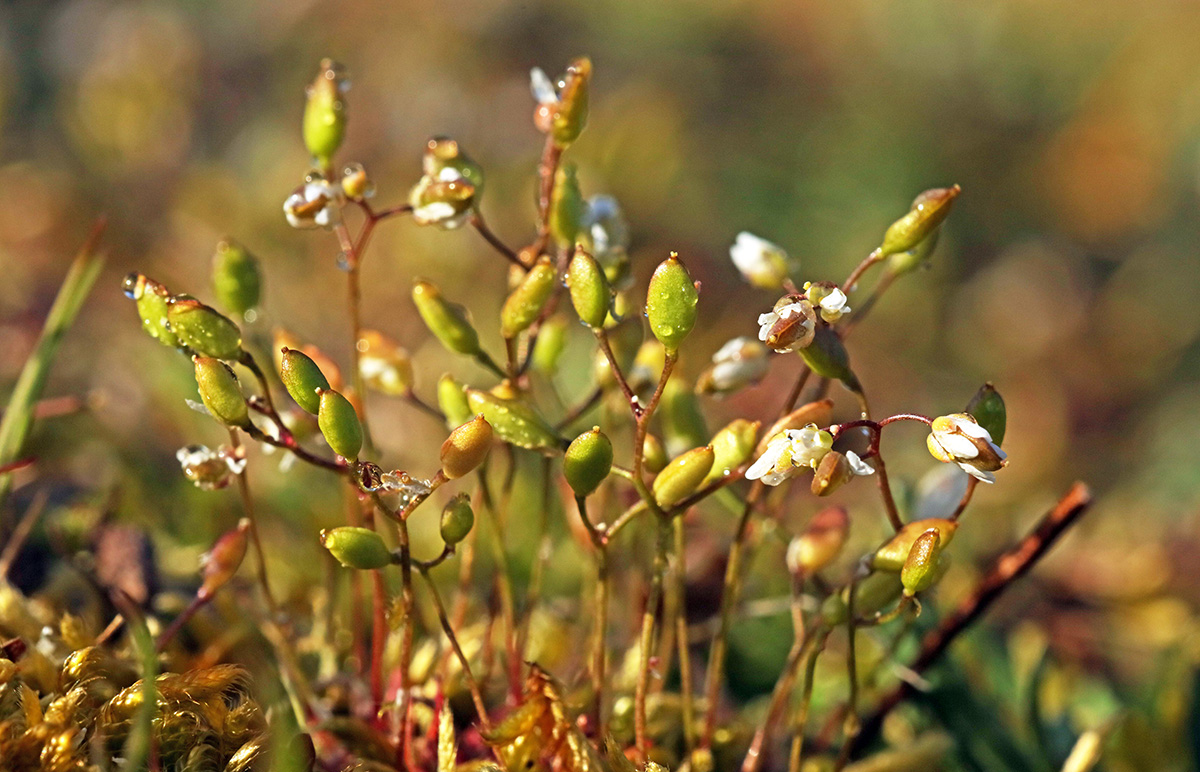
(237, 280)
(466, 448)
(219, 564)
(833, 472)
(819, 413)
(452, 399)
(220, 393)
(571, 116)
(988, 410)
(682, 477)
(513, 421)
(523, 306)
(447, 321)
(872, 595)
(820, 543)
(827, 356)
(732, 447)
(920, 566)
(339, 424)
(457, 520)
(152, 300)
(671, 300)
(567, 207)
(549, 346)
(928, 211)
(325, 113)
(654, 454)
(203, 330)
(302, 378)
(590, 293)
(588, 461)
(359, 548)
(892, 556)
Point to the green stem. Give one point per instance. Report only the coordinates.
(646, 640)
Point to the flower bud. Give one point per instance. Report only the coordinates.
(315, 204)
(763, 264)
(302, 378)
(457, 520)
(819, 413)
(152, 300)
(549, 346)
(682, 477)
(357, 185)
(210, 469)
(987, 408)
(671, 301)
(219, 564)
(732, 446)
(588, 461)
(789, 325)
(359, 548)
(958, 438)
(739, 363)
(523, 306)
(892, 555)
(573, 97)
(682, 419)
(220, 393)
(589, 289)
(654, 454)
(452, 399)
(919, 570)
(325, 113)
(928, 211)
(339, 424)
(836, 469)
(237, 281)
(449, 322)
(820, 543)
(444, 159)
(827, 356)
(513, 421)
(384, 363)
(466, 448)
(203, 330)
(446, 200)
(566, 207)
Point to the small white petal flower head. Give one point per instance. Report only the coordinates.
(828, 299)
(958, 438)
(789, 452)
(740, 362)
(762, 263)
(542, 88)
(444, 200)
(210, 469)
(315, 204)
(789, 326)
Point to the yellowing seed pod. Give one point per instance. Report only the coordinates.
(457, 520)
(892, 555)
(359, 548)
(833, 472)
(237, 280)
(152, 300)
(827, 357)
(654, 454)
(219, 564)
(928, 211)
(732, 446)
(302, 378)
(452, 399)
(448, 321)
(385, 364)
(220, 393)
(339, 424)
(820, 543)
(590, 293)
(588, 461)
(671, 300)
(466, 447)
(325, 113)
(567, 207)
(513, 421)
(682, 476)
(523, 306)
(571, 116)
(203, 330)
(920, 567)
(988, 410)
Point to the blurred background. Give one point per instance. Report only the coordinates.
(1067, 274)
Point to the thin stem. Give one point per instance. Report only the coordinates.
(406, 639)
(580, 410)
(378, 639)
(623, 520)
(472, 684)
(503, 580)
(681, 636)
(547, 170)
(799, 654)
(411, 397)
(184, 617)
(541, 557)
(600, 628)
(478, 223)
(972, 482)
(646, 641)
(260, 554)
(618, 376)
(850, 723)
(290, 445)
(870, 260)
(810, 667)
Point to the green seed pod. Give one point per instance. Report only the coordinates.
(827, 357)
(572, 114)
(452, 399)
(682, 477)
(820, 543)
(928, 211)
(919, 568)
(549, 346)
(325, 113)
(219, 564)
(152, 301)
(671, 301)
(588, 461)
(339, 424)
(443, 153)
(567, 207)
(203, 330)
(220, 393)
(732, 446)
(873, 594)
(682, 419)
(525, 303)
(448, 321)
(457, 520)
(236, 278)
(654, 454)
(359, 548)
(302, 378)
(466, 448)
(590, 293)
(987, 408)
(513, 421)
(892, 556)
(909, 261)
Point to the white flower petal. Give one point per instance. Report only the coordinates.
(957, 446)
(857, 465)
(978, 474)
(542, 87)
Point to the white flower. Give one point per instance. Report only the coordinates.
(958, 438)
(542, 88)
(789, 452)
(762, 263)
(829, 300)
(315, 204)
(740, 362)
(788, 326)
(858, 466)
(210, 469)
